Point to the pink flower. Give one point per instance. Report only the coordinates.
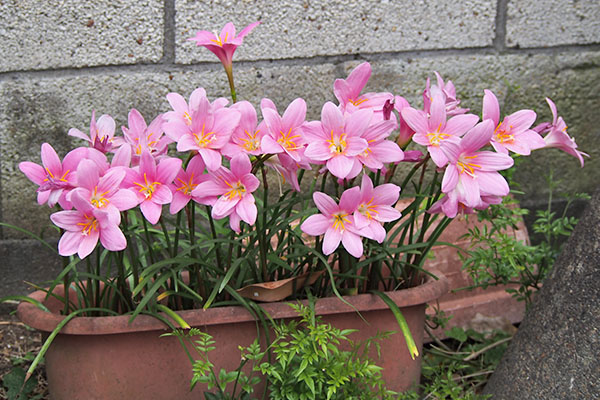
(472, 173)
(150, 182)
(433, 129)
(104, 192)
(284, 134)
(101, 133)
(376, 207)
(210, 130)
(449, 93)
(558, 137)
(142, 137)
(184, 184)
(379, 151)
(336, 222)
(451, 206)
(287, 168)
(55, 178)
(234, 188)
(405, 132)
(337, 139)
(182, 112)
(513, 132)
(224, 44)
(347, 91)
(247, 136)
(84, 226)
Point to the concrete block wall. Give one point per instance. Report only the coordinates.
(61, 59)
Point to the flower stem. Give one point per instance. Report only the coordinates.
(229, 72)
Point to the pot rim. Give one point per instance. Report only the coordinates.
(34, 317)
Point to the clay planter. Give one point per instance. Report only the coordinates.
(108, 358)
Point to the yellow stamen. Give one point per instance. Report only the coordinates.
(147, 188)
(98, 200)
(357, 102)
(286, 140)
(203, 139)
(187, 118)
(187, 187)
(237, 190)
(218, 40)
(252, 143)
(436, 137)
(467, 167)
(339, 221)
(504, 135)
(337, 145)
(368, 209)
(90, 225)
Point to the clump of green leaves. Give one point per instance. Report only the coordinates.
(310, 364)
(309, 361)
(15, 385)
(496, 257)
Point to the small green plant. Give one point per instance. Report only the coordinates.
(15, 385)
(308, 362)
(497, 257)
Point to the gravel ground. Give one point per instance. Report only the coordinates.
(19, 344)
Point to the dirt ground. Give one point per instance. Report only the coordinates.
(18, 346)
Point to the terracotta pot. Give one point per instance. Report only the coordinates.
(110, 358)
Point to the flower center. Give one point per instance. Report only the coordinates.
(287, 140)
(147, 188)
(252, 143)
(504, 135)
(466, 166)
(358, 101)
(187, 118)
(51, 182)
(237, 190)
(187, 187)
(339, 221)
(203, 139)
(98, 200)
(368, 209)
(218, 40)
(90, 224)
(337, 145)
(436, 137)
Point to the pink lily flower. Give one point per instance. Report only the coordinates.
(210, 130)
(142, 137)
(84, 226)
(405, 132)
(150, 183)
(449, 93)
(234, 188)
(55, 178)
(472, 173)
(379, 151)
(375, 208)
(514, 132)
(224, 44)
(451, 206)
(337, 139)
(336, 222)
(181, 111)
(101, 133)
(287, 169)
(284, 134)
(558, 137)
(104, 192)
(184, 184)
(347, 91)
(433, 129)
(247, 136)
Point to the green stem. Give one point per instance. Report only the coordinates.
(262, 230)
(229, 72)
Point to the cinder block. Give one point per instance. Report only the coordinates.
(292, 29)
(542, 23)
(73, 33)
